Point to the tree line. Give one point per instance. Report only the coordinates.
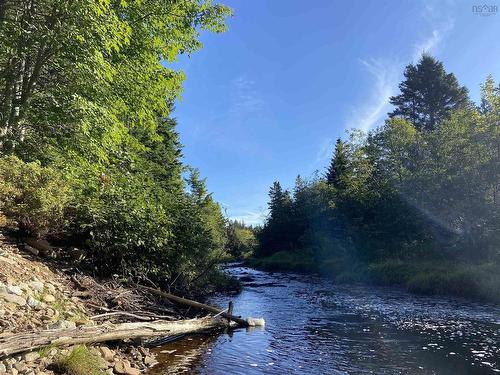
(89, 150)
(424, 186)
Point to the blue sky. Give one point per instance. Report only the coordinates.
(266, 100)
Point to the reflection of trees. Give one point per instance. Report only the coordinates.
(185, 355)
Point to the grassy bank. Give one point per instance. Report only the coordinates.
(473, 281)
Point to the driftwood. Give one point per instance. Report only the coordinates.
(17, 343)
(198, 305)
(131, 315)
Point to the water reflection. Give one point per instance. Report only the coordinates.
(314, 327)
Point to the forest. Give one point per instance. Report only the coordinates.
(90, 156)
(414, 202)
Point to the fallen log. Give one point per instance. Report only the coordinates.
(17, 343)
(198, 305)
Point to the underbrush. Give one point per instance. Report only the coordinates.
(285, 261)
(473, 281)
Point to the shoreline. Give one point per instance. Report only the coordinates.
(423, 278)
(43, 295)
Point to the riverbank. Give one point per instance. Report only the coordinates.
(474, 281)
(49, 293)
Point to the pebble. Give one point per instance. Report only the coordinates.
(3, 369)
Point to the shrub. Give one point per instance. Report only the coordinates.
(33, 196)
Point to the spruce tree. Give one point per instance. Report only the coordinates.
(428, 94)
(339, 165)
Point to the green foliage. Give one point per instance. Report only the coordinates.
(33, 196)
(337, 173)
(86, 90)
(428, 94)
(241, 239)
(285, 261)
(81, 361)
(417, 189)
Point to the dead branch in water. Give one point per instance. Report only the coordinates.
(198, 305)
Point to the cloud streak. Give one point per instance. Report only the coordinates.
(385, 75)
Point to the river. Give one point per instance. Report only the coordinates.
(316, 327)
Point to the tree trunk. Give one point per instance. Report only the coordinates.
(17, 343)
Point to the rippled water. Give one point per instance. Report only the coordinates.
(315, 327)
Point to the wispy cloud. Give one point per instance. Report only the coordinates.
(385, 75)
(428, 45)
(439, 16)
(325, 150)
(246, 98)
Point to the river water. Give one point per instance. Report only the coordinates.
(315, 327)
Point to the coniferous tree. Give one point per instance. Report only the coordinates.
(339, 166)
(428, 94)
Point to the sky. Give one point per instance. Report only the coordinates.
(266, 100)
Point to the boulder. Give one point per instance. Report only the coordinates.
(31, 249)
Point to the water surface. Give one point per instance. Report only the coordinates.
(315, 327)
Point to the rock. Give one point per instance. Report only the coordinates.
(76, 254)
(150, 361)
(14, 290)
(21, 367)
(124, 368)
(31, 356)
(61, 324)
(33, 302)
(3, 369)
(36, 286)
(31, 249)
(49, 298)
(51, 288)
(107, 353)
(13, 371)
(13, 298)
